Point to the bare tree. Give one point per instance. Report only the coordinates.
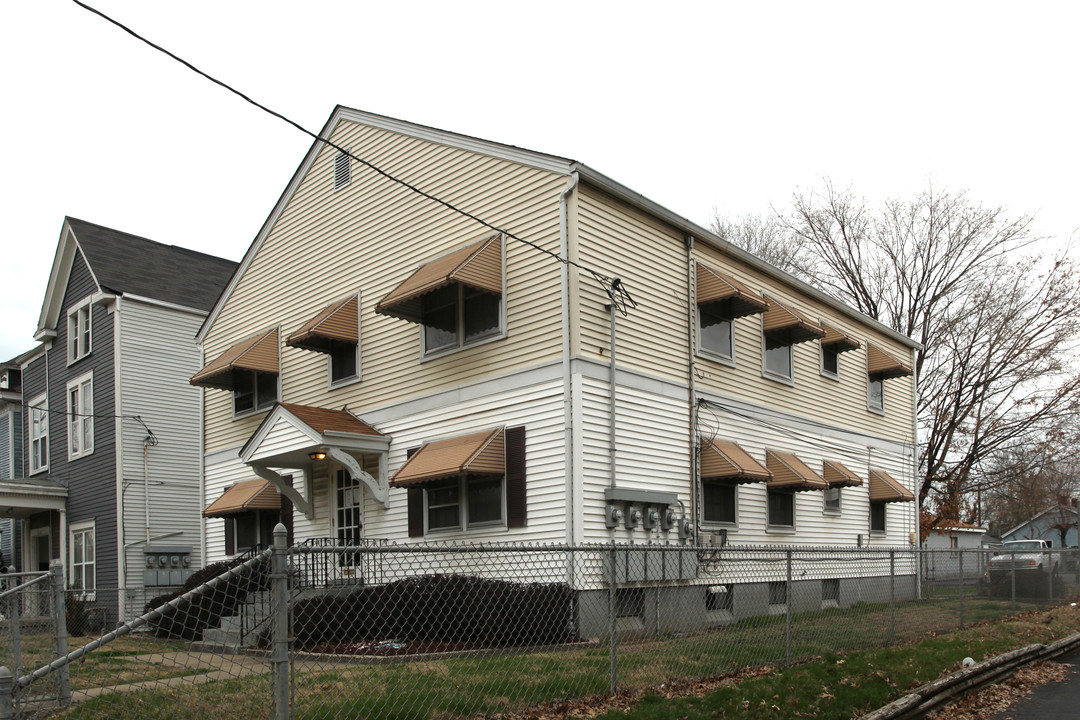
(996, 326)
(767, 237)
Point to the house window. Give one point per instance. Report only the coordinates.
(875, 393)
(80, 409)
(718, 499)
(630, 603)
(39, 434)
(778, 593)
(830, 361)
(714, 331)
(830, 590)
(83, 576)
(342, 170)
(719, 598)
(781, 509)
(778, 360)
(877, 517)
(344, 364)
(254, 391)
(465, 502)
(456, 315)
(79, 331)
(832, 500)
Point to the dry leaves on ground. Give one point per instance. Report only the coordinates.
(985, 704)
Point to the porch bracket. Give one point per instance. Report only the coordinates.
(380, 489)
(298, 500)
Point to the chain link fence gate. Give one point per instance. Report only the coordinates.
(453, 631)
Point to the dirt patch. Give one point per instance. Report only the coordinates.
(390, 648)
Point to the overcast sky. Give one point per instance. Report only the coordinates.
(727, 105)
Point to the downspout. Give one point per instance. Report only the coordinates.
(691, 326)
(568, 406)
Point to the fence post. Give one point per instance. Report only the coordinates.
(1050, 579)
(892, 596)
(7, 690)
(787, 608)
(14, 605)
(961, 554)
(279, 609)
(1012, 578)
(613, 579)
(56, 570)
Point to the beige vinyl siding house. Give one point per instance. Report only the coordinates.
(536, 366)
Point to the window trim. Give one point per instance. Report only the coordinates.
(39, 404)
(870, 381)
(709, 353)
(769, 374)
(769, 524)
(821, 362)
(85, 385)
(256, 407)
(76, 529)
(76, 312)
(463, 524)
(839, 509)
(884, 530)
(705, 522)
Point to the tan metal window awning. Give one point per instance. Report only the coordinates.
(258, 353)
(883, 365)
(791, 473)
(737, 299)
(839, 476)
(336, 323)
(838, 340)
(725, 460)
(787, 326)
(885, 488)
(478, 266)
(481, 453)
(245, 496)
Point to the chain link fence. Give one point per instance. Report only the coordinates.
(455, 631)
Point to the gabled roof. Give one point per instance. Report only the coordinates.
(1056, 508)
(126, 264)
(551, 163)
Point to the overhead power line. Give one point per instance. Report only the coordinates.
(614, 289)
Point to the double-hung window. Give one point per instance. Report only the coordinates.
(782, 328)
(715, 331)
(875, 393)
(80, 410)
(462, 503)
(457, 315)
(83, 573)
(39, 434)
(719, 500)
(877, 518)
(78, 338)
(781, 509)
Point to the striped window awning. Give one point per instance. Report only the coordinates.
(258, 353)
(792, 474)
(785, 325)
(881, 364)
(839, 476)
(481, 453)
(838, 340)
(725, 460)
(736, 298)
(884, 488)
(338, 322)
(245, 496)
(478, 266)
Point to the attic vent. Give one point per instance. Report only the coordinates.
(342, 170)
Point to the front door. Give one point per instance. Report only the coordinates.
(348, 516)
(40, 549)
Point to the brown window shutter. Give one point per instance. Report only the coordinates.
(515, 477)
(415, 504)
(230, 537)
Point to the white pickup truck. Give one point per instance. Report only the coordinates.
(1030, 558)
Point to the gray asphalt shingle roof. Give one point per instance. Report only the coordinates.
(125, 263)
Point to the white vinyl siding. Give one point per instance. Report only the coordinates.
(158, 356)
(371, 235)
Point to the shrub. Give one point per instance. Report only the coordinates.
(440, 608)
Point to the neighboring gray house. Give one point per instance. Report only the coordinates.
(111, 476)
(11, 457)
(1056, 524)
